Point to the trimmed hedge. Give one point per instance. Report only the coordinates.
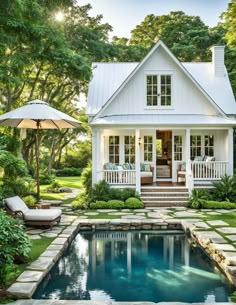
(130, 203)
(111, 204)
(133, 203)
(68, 172)
(218, 205)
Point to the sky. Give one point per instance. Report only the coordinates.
(124, 15)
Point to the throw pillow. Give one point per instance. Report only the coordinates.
(183, 167)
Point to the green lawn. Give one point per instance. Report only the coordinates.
(38, 247)
(73, 182)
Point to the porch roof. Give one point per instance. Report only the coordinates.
(164, 120)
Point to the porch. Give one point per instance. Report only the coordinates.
(152, 157)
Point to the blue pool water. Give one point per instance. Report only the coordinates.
(134, 266)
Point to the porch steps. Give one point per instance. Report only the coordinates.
(164, 196)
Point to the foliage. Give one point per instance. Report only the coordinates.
(19, 186)
(187, 36)
(133, 203)
(225, 189)
(81, 201)
(111, 204)
(86, 178)
(29, 200)
(123, 194)
(77, 156)
(8, 273)
(100, 191)
(198, 198)
(68, 172)
(233, 297)
(13, 242)
(46, 179)
(218, 205)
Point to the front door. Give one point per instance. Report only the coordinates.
(163, 154)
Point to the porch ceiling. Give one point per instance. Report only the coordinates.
(165, 120)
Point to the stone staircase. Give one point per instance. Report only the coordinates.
(164, 196)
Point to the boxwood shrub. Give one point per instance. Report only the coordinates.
(111, 204)
(218, 205)
(133, 203)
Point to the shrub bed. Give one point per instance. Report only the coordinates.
(130, 203)
(111, 204)
(13, 243)
(218, 205)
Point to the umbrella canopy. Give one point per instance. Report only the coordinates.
(38, 111)
(38, 115)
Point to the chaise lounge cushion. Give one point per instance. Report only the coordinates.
(42, 215)
(16, 204)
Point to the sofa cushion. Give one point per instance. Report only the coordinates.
(183, 167)
(42, 214)
(16, 204)
(146, 174)
(145, 167)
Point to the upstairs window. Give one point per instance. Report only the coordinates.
(152, 85)
(158, 90)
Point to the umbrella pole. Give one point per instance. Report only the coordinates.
(37, 161)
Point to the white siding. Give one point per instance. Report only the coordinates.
(186, 97)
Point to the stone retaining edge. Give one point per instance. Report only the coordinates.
(25, 289)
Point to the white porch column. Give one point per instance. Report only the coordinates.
(187, 153)
(230, 151)
(96, 156)
(137, 160)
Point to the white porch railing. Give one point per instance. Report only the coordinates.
(119, 177)
(212, 170)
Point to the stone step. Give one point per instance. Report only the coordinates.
(164, 194)
(163, 189)
(164, 203)
(158, 199)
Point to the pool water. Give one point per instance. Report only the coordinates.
(134, 266)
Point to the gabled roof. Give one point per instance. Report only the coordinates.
(110, 78)
(107, 78)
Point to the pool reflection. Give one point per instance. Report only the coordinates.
(134, 266)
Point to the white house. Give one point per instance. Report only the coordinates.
(163, 119)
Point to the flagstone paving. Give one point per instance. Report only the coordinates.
(219, 223)
(227, 230)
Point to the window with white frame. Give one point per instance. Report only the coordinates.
(114, 149)
(209, 145)
(195, 146)
(178, 148)
(152, 84)
(129, 149)
(158, 89)
(148, 148)
(165, 90)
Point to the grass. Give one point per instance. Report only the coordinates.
(72, 182)
(38, 247)
(229, 218)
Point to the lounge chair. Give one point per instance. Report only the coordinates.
(16, 207)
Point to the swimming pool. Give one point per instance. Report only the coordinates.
(134, 266)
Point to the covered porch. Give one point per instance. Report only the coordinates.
(132, 157)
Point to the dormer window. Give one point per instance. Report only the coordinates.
(158, 90)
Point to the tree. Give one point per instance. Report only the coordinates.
(41, 58)
(187, 36)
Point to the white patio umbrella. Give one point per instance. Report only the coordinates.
(38, 115)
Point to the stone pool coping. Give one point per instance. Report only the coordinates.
(213, 243)
(65, 302)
